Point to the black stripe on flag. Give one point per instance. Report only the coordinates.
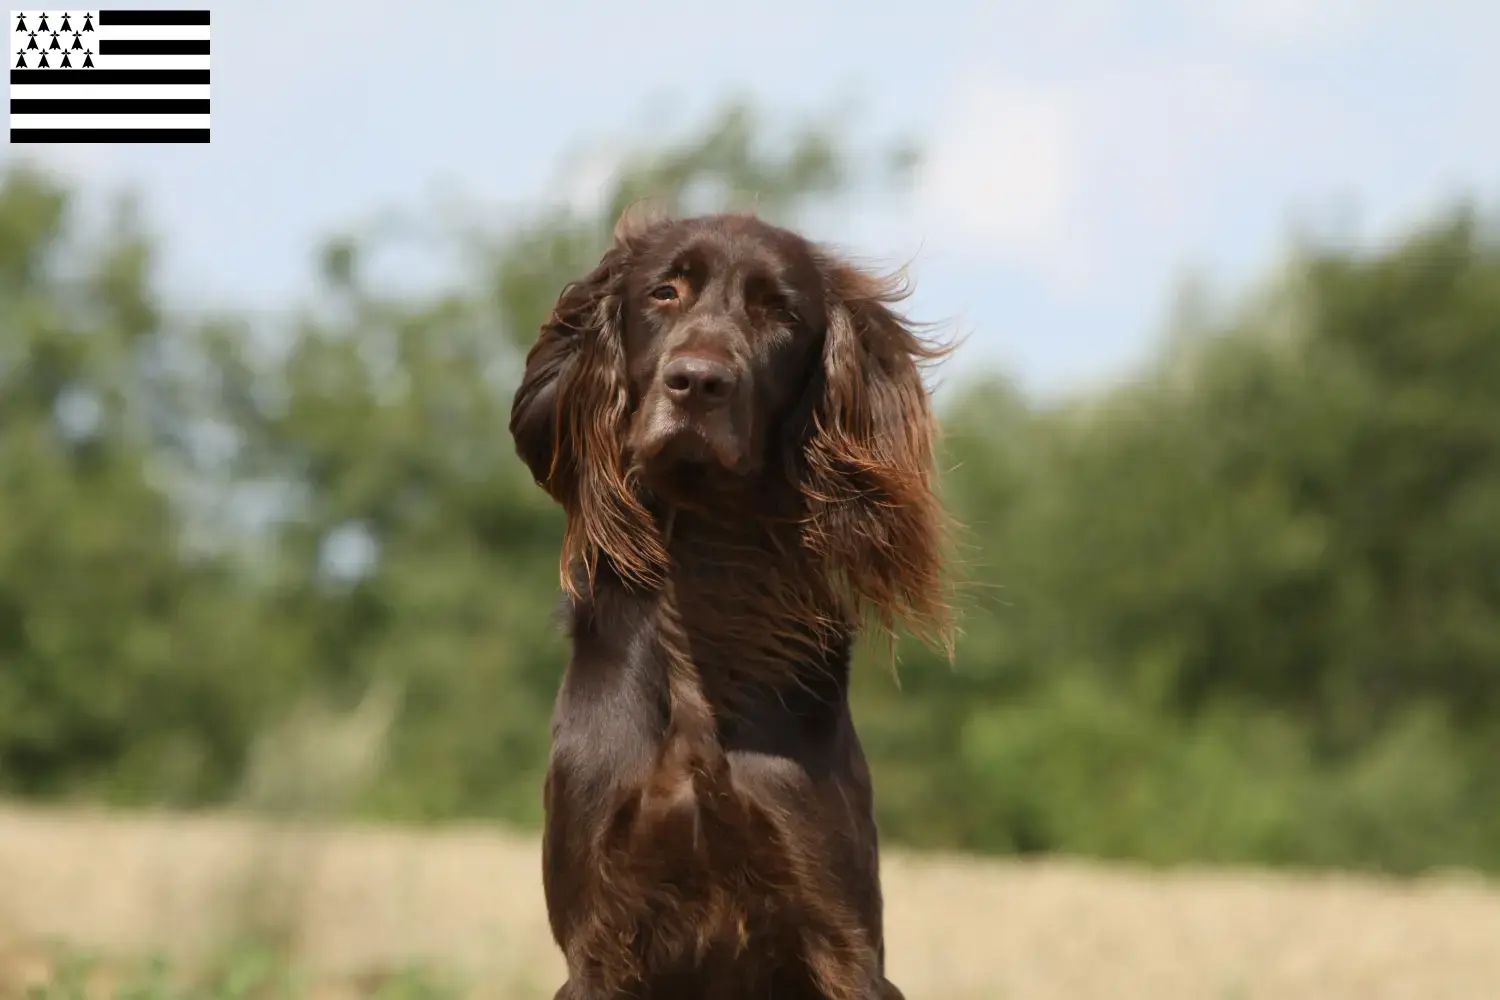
(110, 106)
(113, 17)
(153, 46)
(123, 76)
(109, 135)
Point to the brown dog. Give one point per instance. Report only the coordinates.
(735, 423)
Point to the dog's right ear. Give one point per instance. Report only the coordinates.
(578, 333)
(570, 414)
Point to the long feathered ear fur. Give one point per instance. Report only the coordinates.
(873, 515)
(569, 420)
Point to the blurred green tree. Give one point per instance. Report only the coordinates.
(132, 665)
(1279, 540)
(1243, 607)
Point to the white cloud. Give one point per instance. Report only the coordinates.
(1292, 22)
(589, 177)
(1004, 172)
(1086, 161)
(1121, 167)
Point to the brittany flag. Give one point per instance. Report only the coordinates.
(109, 76)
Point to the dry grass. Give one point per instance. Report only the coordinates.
(356, 899)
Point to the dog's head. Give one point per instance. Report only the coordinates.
(723, 364)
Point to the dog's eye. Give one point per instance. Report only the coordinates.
(780, 311)
(664, 293)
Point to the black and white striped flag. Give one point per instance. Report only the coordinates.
(109, 76)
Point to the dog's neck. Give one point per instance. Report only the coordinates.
(759, 615)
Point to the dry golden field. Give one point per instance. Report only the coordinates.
(356, 899)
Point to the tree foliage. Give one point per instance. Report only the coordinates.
(1242, 608)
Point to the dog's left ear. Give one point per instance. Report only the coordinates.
(569, 415)
(874, 515)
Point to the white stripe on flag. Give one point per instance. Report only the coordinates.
(108, 92)
(108, 121)
(143, 32)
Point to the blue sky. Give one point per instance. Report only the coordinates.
(1080, 154)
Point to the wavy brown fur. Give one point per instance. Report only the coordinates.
(580, 349)
(873, 513)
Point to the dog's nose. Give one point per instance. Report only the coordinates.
(697, 381)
